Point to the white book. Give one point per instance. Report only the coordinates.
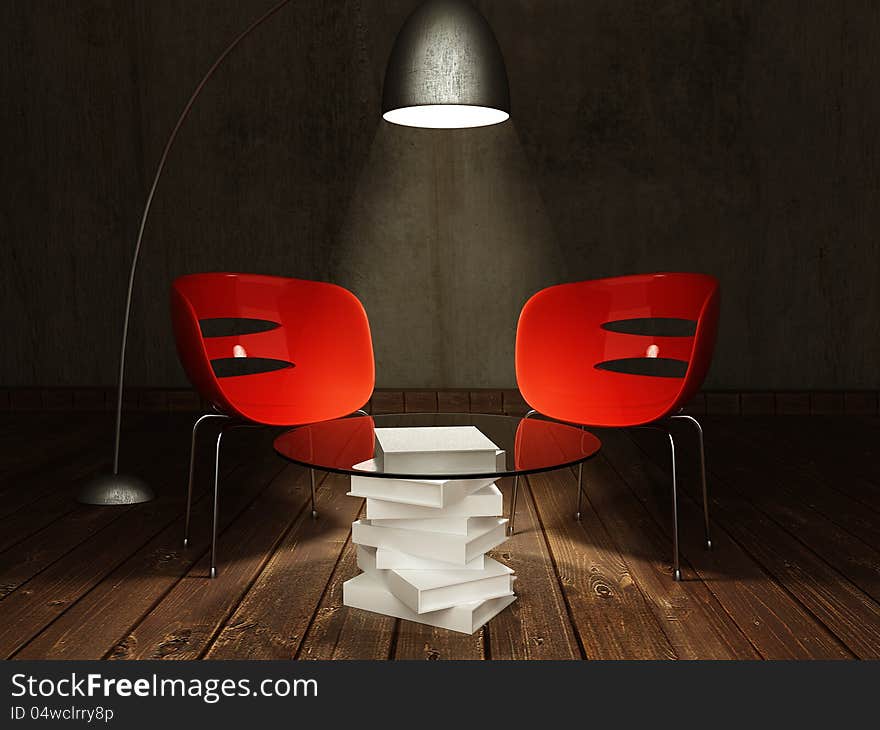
(392, 560)
(486, 502)
(435, 493)
(431, 590)
(443, 525)
(438, 449)
(484, 533)
(368, 593)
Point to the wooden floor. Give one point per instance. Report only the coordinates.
(794, 573)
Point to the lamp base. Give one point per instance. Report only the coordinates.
(110, 489)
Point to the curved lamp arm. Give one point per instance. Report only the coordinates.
(161, 166)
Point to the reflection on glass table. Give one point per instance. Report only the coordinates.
(528, 446)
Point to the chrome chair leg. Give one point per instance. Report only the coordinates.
(676, 568)
(216, 505)
(702, 474)
(314, 506)
(192, 468)
(513, 505)
(532, 412)
(577, 514)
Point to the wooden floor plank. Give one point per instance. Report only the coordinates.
(536, 625)
(833, 489)
(807, 455)
(27, 558)
(47, 494)
(839, 445)
(848, 541)
(42, 599)
(21, 434)
(19, 430)
(697, 625)
(759, 596)
(41, 513)
(44, 471)
(609, 612)
(35, 445)
(49, 593)
(35, 554)
(338, 632)
(794, 573)
(272, 618)
(418, 641)
(125, 596)
(185, 622)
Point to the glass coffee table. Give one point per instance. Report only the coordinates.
(530, 445)
(433, 509)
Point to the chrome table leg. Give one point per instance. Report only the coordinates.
(676, 568)
(513, 505)
(192, 467)
(216, 505)
(577, 514)
(532, 412)
(702, 475)
(314, 506)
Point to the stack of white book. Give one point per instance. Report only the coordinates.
(422, 545)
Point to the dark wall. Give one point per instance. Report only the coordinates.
(735, 138)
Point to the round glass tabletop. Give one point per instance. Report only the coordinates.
(354, 445)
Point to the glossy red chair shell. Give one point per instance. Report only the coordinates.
(563, 343)
(319, 330)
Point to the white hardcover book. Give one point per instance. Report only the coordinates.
(443, 525)
(438, 449)
(367, 592)
(431, 590)
(391, 560)
(435, 493)
(486, 502)
(484, 533)
(370, 558)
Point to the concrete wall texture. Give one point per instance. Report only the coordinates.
(732, 137)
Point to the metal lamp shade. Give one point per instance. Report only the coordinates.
(446, 70)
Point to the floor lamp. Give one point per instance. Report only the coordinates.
(446, 71)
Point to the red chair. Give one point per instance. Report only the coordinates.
(269, 351)
(622, 352)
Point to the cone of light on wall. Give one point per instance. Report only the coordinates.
(446, 70)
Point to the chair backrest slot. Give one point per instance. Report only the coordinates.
(235, 326)
(658, 367)
(230, 367)
(653, 326)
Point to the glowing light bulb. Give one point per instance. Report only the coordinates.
(652, 351)
(445, 116)
(239, 351)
